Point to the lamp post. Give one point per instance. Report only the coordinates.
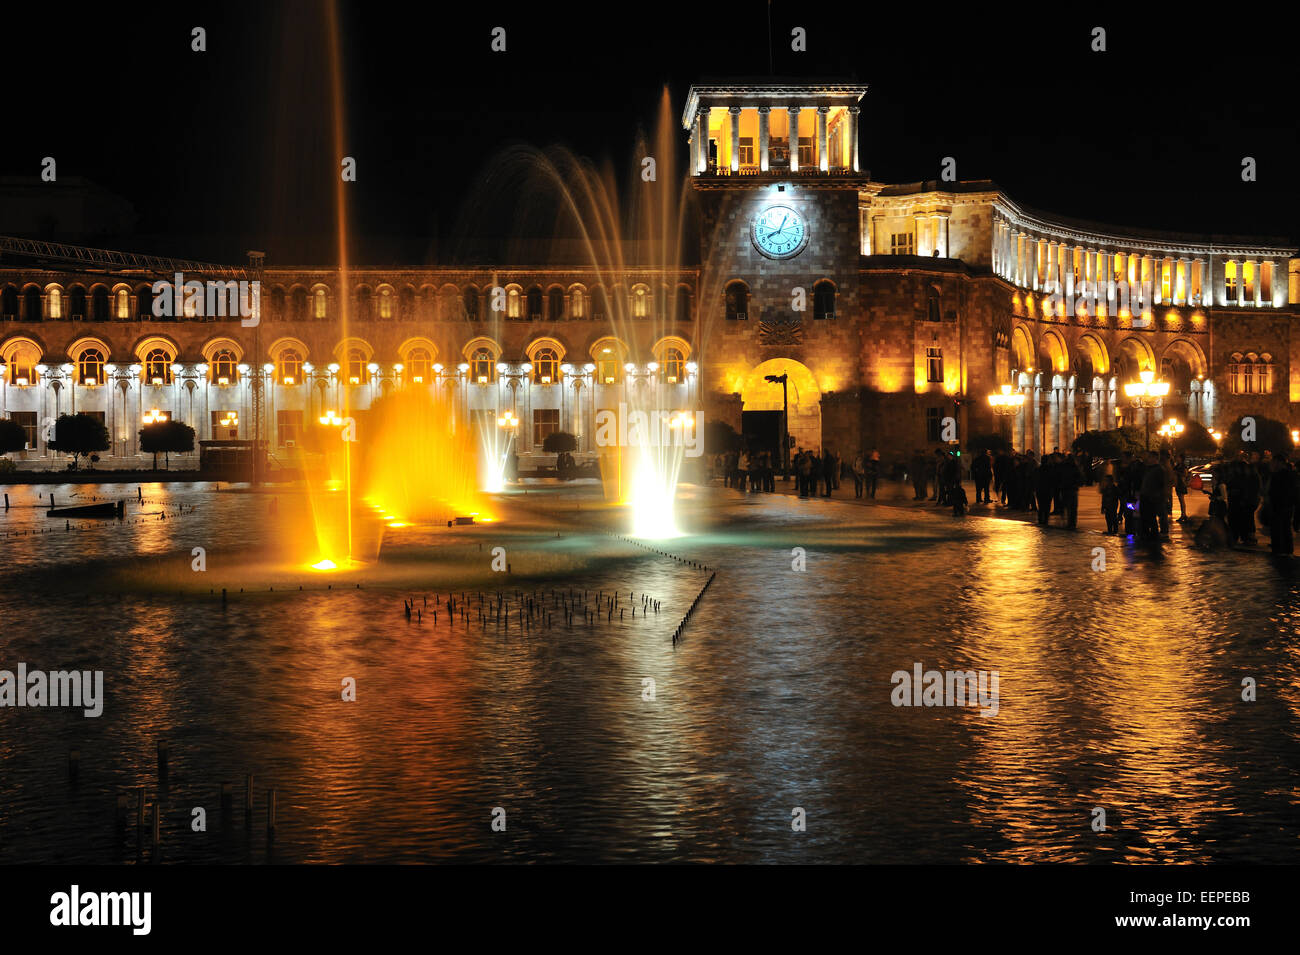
(1171, 429)
(1146, 394)
(1006, 404)
(783, 381)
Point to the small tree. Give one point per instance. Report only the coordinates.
(720, 437)
(558, 441)
(79, 434)
(1195, 440)
(1097, 444)
(165, 438)
(987, 442)
(1270, 435)
(13, 436)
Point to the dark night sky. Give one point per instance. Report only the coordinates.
(233, 148)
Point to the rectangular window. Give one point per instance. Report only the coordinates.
(288, 427)
(933, 420)
(747, 150)
(934, 364)
(545, 421)
(805, 152)
(225, 424)
(27, 421)
(902, 243)
(1230, 280)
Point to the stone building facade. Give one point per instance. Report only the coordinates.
(891, 310)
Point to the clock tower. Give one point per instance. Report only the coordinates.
(776, 168)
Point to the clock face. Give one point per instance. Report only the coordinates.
(779, 232)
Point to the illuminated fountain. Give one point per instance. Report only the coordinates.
(640, 447)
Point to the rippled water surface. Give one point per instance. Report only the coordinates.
(1118, 689)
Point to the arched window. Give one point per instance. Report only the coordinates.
(513, 304)
(640, 301)
(546, 366)
(357, 372)
(471, 303)
(54, 302)
(599, 306)
(683, 304)
(577, 304)
(483, 367)
(320, 305)
(22, 365)
(824, 299)
(158, 367)
(32, 304)
(672, 369)
(224, 368)
(386, 304)
(99, 305)
(279, 301)
(933, 306)
(406, 304)
(288, 367)
(555, 304)
(737, 296)
(298, 305)
(419, 366)
(535, 305)
(608, 370)
(1264, 374)
(90, 367)
(365, 303)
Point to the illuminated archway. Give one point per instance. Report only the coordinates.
(805, 411)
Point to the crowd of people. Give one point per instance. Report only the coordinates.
(1137, 491)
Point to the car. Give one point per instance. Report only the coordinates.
(1200, 478)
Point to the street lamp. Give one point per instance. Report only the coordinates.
(1171, 429)
(1006, 404)
(1146, 394)
(783, 381)
(330, 419)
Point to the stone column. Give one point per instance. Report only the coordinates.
(853, 136)
(763, 115)
(733, 113)
(793, 137)
(823, 160)
(702, 132)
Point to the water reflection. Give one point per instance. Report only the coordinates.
(1119, 689)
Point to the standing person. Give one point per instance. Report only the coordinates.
(828, 470)
(814, 472)
(1282, 494)
(1110, 503)
(1128, 489)
(1004, 466)
(981, 472)
(742, 471)
(918, 475)
(802, 469)
(1029, 485)
(1180, 485)
(1167, 463)
(1045, 488)
(1068, 479)
(952, 480)
(936, 469)
(1153, 492)
(873, 472)
(859, 475)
